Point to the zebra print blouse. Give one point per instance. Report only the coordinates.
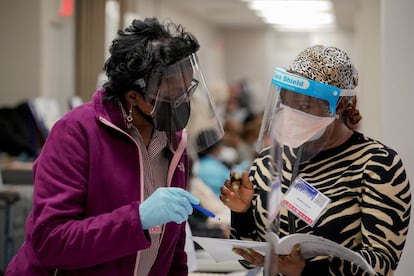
(369, 211)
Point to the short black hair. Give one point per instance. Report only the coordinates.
(140, 49)
(203, 139)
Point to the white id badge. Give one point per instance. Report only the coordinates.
(306, 202)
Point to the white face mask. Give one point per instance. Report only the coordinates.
(228, 155)
(293, 127)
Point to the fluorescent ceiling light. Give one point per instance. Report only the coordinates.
(295, 15)
(310, 5)
(298, 19)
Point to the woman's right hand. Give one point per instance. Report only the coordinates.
(237, 193)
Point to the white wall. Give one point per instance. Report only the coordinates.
(57, 79)
(37, 52)
(397, 96)
(245, 58)
(368, 59)
(20, 50)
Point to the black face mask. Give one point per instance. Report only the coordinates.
(171, 119)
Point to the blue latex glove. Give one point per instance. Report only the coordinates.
(166, 205)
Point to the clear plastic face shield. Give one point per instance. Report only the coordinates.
(299, 114)
(297, 124)
(180, 99)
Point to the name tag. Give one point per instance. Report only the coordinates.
(306, 202)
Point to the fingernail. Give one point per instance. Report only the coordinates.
(236, 176)
(227, 199)
(298, 249)
(231, 194)
(248, 250)
(235, 187)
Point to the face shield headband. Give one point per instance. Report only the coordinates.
(312, 88)
(181, 99)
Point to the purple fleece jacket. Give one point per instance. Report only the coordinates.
(85, 216)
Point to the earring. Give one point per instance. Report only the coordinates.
(129, 118)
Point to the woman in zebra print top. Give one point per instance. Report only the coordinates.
(369, 211)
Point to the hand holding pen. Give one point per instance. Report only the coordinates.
(205, 211)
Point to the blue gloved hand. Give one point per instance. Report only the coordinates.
(166, 205)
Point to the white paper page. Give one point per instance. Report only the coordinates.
(221, 249)
(311, 246)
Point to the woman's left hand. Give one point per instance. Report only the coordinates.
(289, 265)
(292, 264)
(250, 255)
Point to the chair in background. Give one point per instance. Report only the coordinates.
(7, 201)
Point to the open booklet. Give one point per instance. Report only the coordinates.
(310, 246)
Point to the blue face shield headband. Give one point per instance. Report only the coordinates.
(308, 87)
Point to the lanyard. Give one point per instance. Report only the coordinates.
(295, 172)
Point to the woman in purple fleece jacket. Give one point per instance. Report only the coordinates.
(110, 183)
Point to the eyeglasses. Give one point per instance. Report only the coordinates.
(305, 103)
(177, 101)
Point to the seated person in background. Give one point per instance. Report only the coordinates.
(230, 153)
(207, 176)
(211, 170)
(202, 225)
(247, 145)
(239, 140)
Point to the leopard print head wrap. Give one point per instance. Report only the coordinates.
(328, 65)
